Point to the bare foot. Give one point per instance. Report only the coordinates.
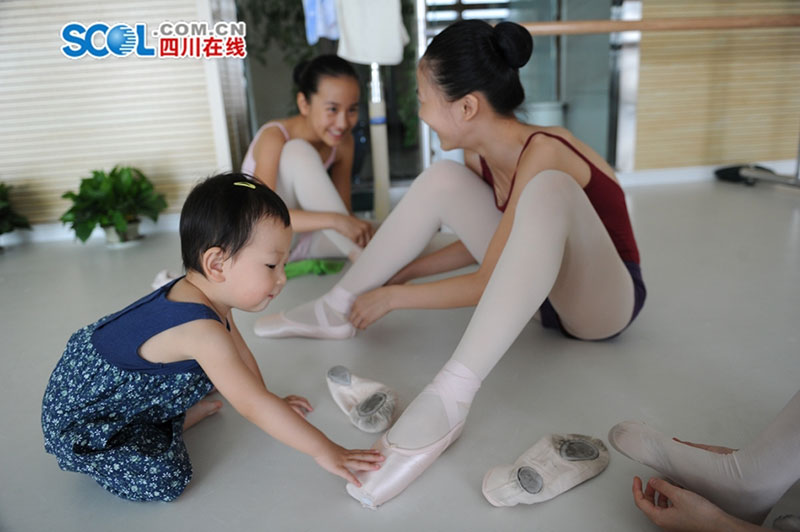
(200, 411)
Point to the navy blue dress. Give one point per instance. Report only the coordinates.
(118, 418)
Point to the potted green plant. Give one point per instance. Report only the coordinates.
(9, 218)
(115, 200)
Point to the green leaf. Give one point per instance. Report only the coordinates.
(84, 230)
(9, 218)
(120, 225)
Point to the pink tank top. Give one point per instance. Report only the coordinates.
(249, 163)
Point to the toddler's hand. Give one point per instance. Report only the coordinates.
(298, 404)
(341, 461)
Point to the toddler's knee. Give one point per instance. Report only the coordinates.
(168, 493)
(145, 490)
(141, 478)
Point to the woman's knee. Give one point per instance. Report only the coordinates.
(297, 147)
(550, 193)
(298, 154)
(443, 179)
(550, 185)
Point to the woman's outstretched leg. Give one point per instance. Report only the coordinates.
(557, 240)
(746, 482)
(448, 194)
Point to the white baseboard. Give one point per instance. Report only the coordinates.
(169, 222)
(56, 231)
(692, 174)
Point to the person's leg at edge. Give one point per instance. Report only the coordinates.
(558, 247)
(448, 194)
(746, 483)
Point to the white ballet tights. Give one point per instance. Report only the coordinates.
(554, 227)
(557, 247)
(447, 193)
(746, 483)
(303, 183)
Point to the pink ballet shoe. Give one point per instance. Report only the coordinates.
(280, 326)
(401, 468)
(453, 384)
(337, 300)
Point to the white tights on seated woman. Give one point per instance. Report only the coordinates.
(303, 183)
(558, 248)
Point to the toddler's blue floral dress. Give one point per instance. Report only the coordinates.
(118, 418)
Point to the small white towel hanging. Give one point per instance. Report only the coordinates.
(371, 31)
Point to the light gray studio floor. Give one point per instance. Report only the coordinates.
(712, 358)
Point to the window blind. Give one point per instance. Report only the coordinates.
(61, 118)
(718, 97)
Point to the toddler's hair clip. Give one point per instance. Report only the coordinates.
(245, 184)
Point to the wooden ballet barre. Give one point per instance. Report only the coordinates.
(575, 27)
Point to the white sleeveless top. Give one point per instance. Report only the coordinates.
(249, 163)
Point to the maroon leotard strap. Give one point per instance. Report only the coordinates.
(604, 193)
(489, 178)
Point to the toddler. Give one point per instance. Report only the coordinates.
(128, 385)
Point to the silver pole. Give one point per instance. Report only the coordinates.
(422, 44)
(380, 144)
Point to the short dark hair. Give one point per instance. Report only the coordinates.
(471, 55)
(221, 211)
(308, 74)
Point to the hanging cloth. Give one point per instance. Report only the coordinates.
(320, 20)
(371, 31)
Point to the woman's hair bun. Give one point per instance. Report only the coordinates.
(472, 55)
(514, 42)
